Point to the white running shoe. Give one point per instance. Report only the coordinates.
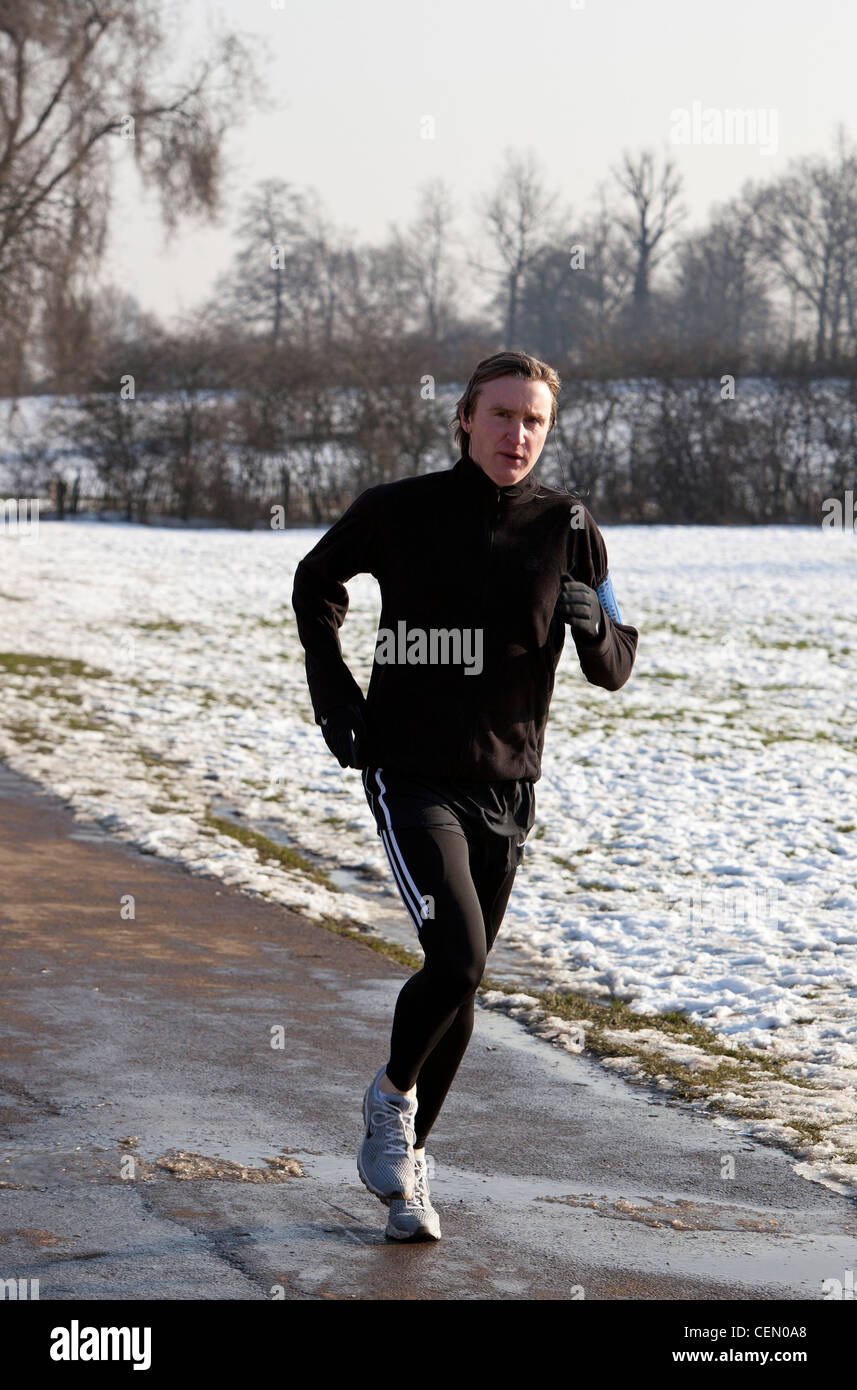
(386, 1158)
(415, 1218)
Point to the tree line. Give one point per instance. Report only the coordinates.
(321, 365)
(288, 445)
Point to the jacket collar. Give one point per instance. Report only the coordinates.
(470, 476)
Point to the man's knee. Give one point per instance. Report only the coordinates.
(459, 980)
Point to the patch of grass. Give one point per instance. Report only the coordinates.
(23, 730)
(160, 625)
(845, 829)
(652, 629)
(813, 1134)
(144, 687)
(26, 663)
(281, 616)
(94, 725)
(567, 861)
(375, 943)
(26, 733)
(159, 760)
(783, 644)
(604, 1017)
(12, 598)
(55, 692)
(818, 737)
(209, 697)
(268, 850)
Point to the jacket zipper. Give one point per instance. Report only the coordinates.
(492, 526)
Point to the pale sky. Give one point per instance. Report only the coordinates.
(577, 85)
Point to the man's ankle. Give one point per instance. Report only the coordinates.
(386, 1086)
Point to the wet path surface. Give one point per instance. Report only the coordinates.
(154, 1144)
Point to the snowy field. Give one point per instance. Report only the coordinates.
(695, 844)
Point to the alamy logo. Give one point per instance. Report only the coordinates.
(839, 513)
(76, 1343)
(19, 516)
(714, 125)
(440, 646)
(19, 1288)
(712, 906)
(837, 1288)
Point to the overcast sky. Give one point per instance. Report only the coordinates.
(352, 83)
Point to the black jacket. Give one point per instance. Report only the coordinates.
(451, 550)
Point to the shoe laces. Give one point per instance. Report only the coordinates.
(421, 1189)
(397, 1124)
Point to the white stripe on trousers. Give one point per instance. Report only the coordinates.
(402, 874)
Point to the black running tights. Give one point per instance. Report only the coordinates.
(465, 883)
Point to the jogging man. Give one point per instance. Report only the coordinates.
(481, 567)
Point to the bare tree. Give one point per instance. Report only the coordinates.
(285, 279)
(426, 260)
(520, 217)
(609, 268)
(720, 297)
(74, 79)
(655, 212)
(807, 230)
(377, 299)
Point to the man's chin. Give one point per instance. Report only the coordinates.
(504, 471)
(510, 470)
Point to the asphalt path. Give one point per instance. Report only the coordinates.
(155, 1145)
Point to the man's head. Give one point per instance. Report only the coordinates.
(506, 413)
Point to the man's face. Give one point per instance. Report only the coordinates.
(508, 427)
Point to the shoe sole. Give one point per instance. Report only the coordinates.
(386, 1197)
(419, 1238)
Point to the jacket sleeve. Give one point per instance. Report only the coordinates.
(609, 660)
(320, 602)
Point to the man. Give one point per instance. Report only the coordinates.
(480, 568)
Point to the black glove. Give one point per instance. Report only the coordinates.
(344, 728)
(580, 606)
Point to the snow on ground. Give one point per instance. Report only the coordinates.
(695, 834)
